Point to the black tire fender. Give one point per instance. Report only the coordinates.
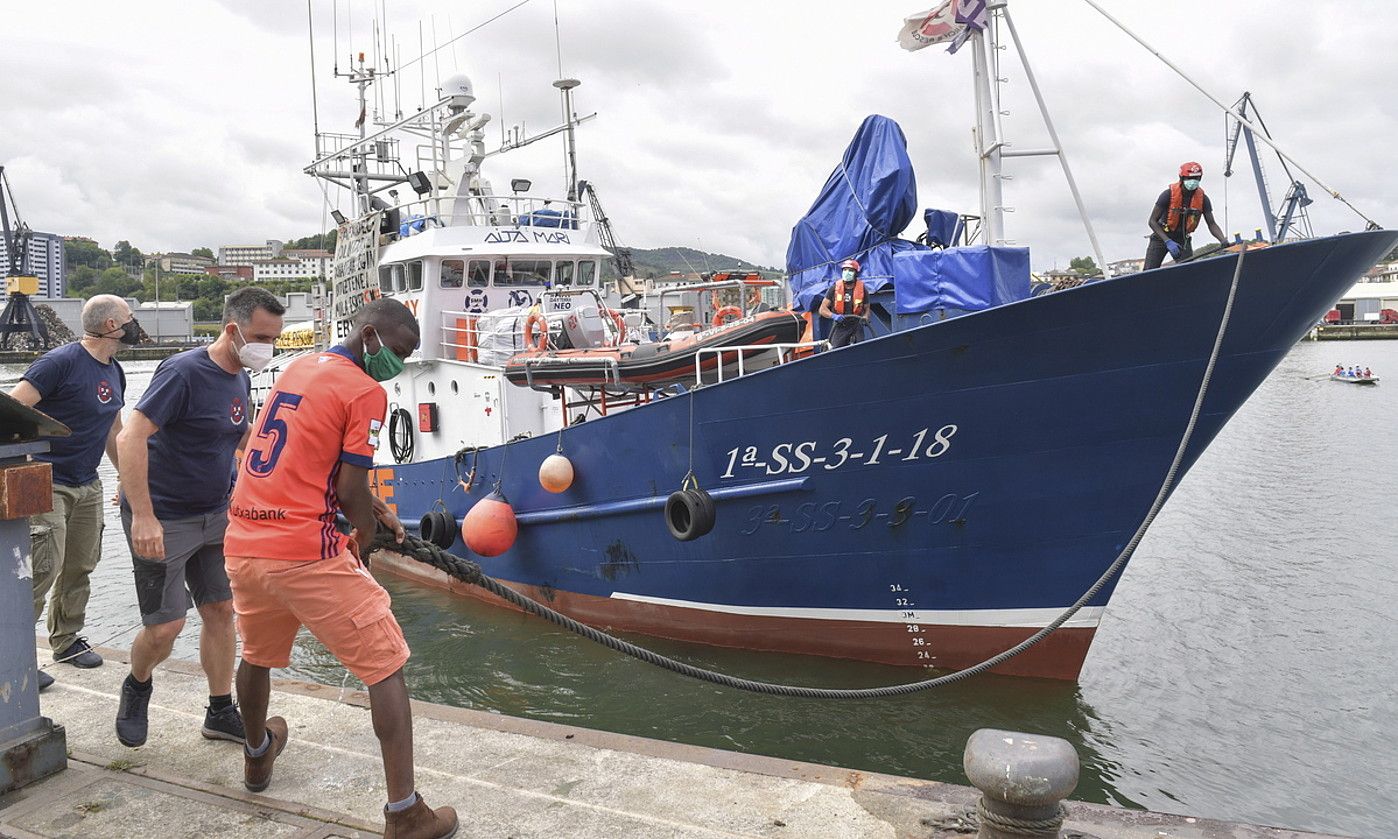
(689, 514)
(439, 528)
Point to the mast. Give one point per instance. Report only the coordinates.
(566, 87)
(988, 144)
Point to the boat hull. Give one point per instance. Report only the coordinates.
(926, 498)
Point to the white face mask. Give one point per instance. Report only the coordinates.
(848, 275)
(255, 357)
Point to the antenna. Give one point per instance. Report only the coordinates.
(335, 32)
(436, 59)
(451, 33)
(311, 35)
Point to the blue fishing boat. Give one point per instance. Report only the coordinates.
(927, 497)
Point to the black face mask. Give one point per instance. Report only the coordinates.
(130, 333)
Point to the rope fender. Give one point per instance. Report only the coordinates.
(469, 572)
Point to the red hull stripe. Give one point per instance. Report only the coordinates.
(950, 647)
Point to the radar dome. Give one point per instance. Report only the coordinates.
(460, 89)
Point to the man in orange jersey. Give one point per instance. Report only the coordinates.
(289, 565)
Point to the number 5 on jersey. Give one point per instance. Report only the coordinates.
(263, 458)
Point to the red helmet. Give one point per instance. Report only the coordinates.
(851, 264)
(1191, 170)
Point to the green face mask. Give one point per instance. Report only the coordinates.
(1192, 183)
(382, 364)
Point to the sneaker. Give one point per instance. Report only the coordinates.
(257, 771)
(45, 680)
(420, 822)
(79, 654)
(132, 722)
(226, 724)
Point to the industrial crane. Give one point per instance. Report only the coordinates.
(1292, 214)
(621, 255)
(19, 315)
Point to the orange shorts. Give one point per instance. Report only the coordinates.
(336, 599)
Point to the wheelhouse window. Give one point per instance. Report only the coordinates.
(513, 272)
(563, 273)
(587, 273)
(415, 275)
(390, 278)
(453, 273)
(478, 273)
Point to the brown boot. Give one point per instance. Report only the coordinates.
(257, 771)
(420, 822)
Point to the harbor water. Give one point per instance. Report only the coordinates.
(1244, 670)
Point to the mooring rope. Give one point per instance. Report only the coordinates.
(469, 572)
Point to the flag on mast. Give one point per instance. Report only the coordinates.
(951, 22)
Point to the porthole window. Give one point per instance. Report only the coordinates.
(453, 387)
(431, 389)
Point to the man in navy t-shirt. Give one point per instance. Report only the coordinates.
(82, 386)
(178, 461)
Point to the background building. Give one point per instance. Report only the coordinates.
(45, 262)
(167, 320)
(1125, 266)
(248, 254)
(231, 273)
(313, 263)
(179, 263)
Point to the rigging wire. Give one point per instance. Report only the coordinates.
(480, 25)
(1257, 132)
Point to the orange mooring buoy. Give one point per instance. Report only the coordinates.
(556, 473)
(490, 528)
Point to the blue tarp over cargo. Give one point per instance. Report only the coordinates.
(867, 201)
(960, 279)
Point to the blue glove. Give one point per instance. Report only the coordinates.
(839, 318)
(1173, 247)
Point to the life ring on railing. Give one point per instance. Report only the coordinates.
(619, 321)
(727, 314)
(536, 332)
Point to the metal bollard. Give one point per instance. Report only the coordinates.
(1023, 779)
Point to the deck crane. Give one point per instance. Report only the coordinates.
(621, 255)
(1292, 214)
(19, 315)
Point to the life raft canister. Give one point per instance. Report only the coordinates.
(849, 298)
(1179, 211)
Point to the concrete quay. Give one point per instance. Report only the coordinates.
(507, 777)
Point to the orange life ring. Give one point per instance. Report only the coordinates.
(536, 338)
(726, 314)
(618, 320)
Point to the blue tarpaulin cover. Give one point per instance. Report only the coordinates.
(969, 279)
(547, 217)
(942, 227)
(867, 201)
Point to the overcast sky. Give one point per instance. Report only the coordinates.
(179, 124)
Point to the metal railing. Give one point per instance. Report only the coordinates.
(522, 211)
(786, 353)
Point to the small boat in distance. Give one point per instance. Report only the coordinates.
(1354, 380)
